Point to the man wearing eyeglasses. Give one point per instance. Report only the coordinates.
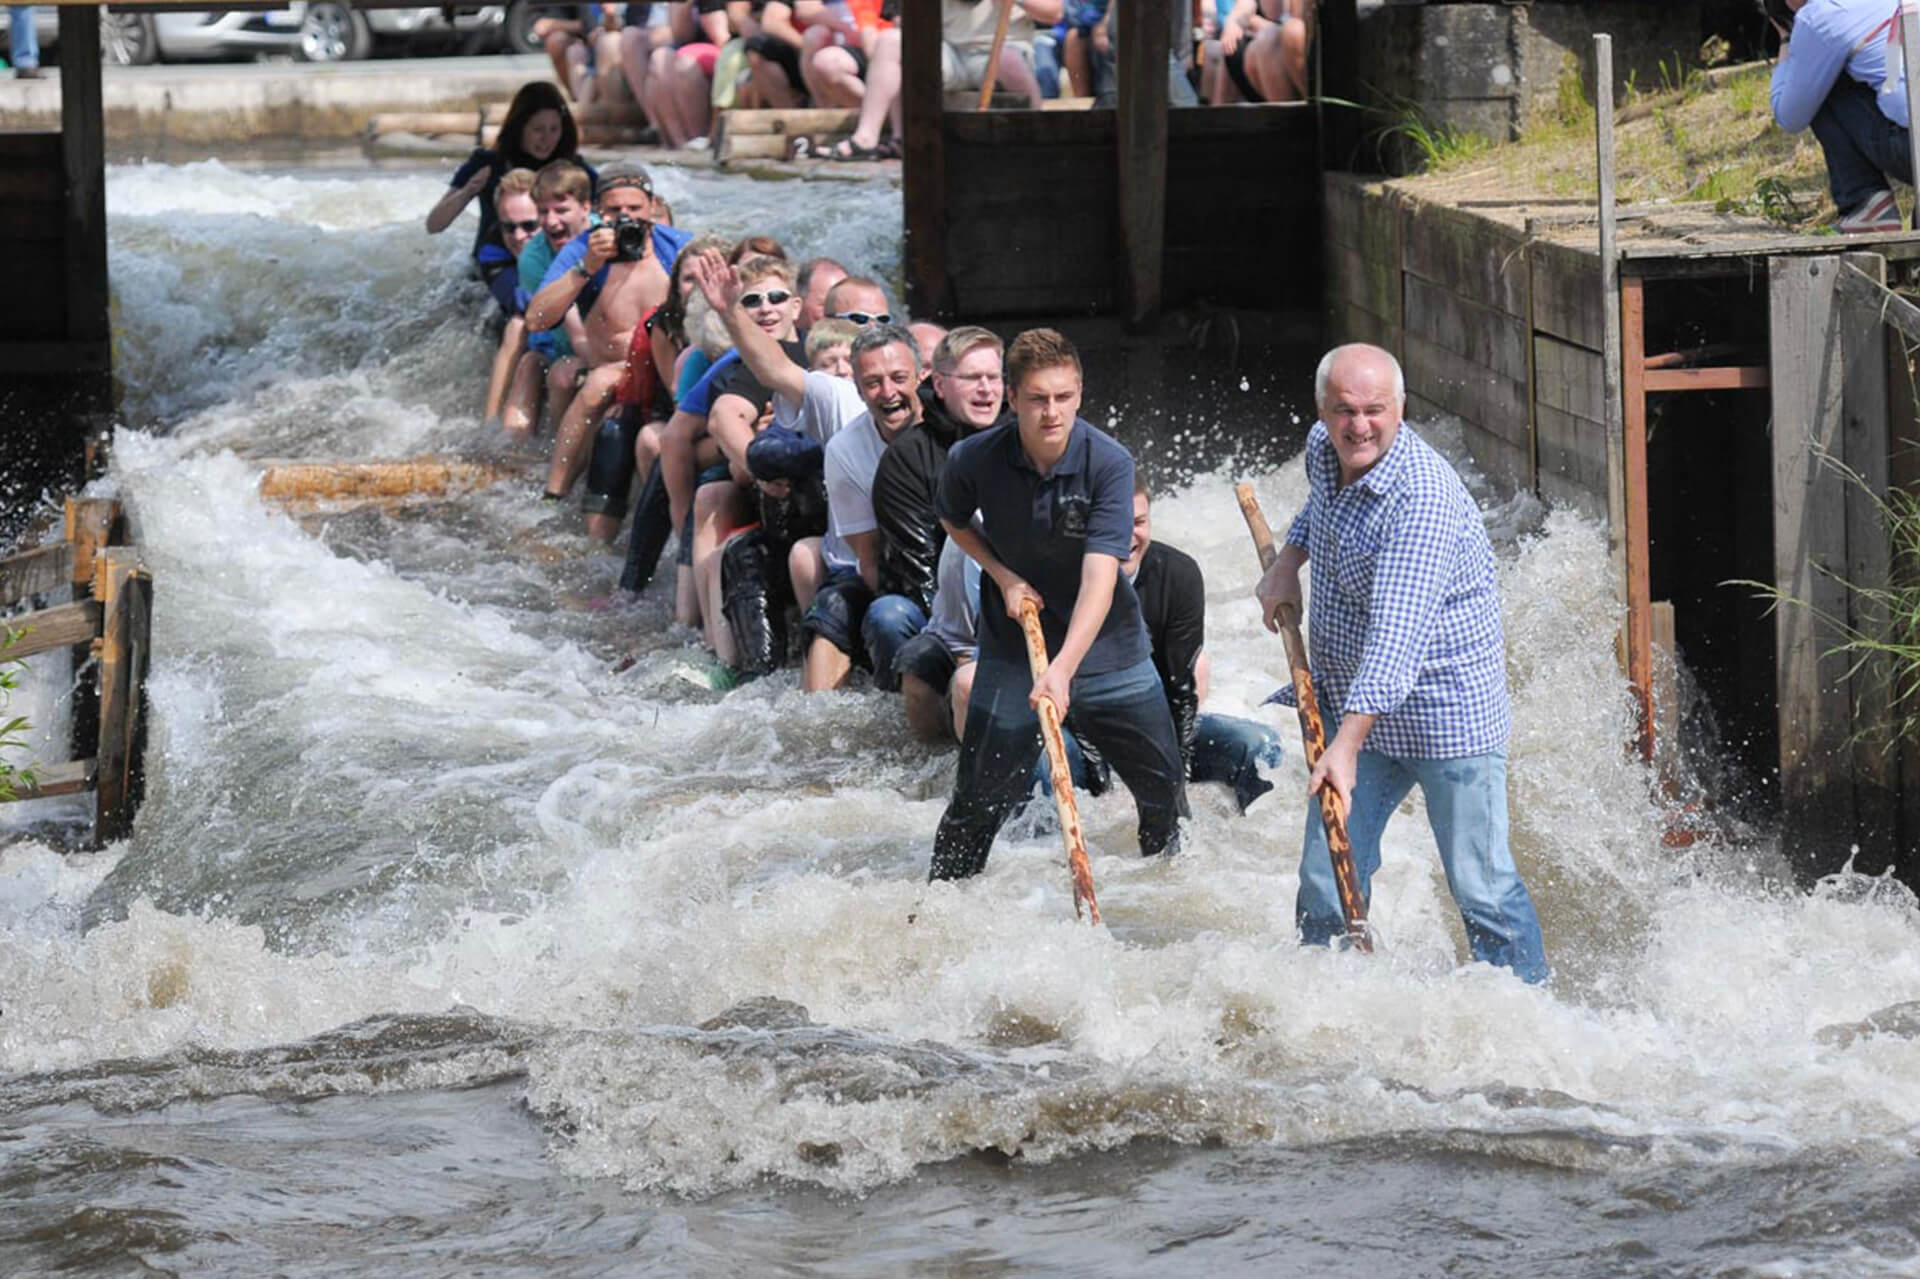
(965, 394)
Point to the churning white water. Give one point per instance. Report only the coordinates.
(636, 952)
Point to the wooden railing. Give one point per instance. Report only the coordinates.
(106, 621)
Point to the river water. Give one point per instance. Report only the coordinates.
(440, 945)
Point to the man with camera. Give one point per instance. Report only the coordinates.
(616, 273)
(1840, 75)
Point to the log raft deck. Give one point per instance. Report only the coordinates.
(1755, 368)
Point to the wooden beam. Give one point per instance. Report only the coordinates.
(126, 595)
(1809, 561)
(924, 162)
(83, 140)
(1140, 57)
(1339, 58)
(92, 524)
(45, 568)
(57, 779)
(56, 627)
(1888, 307)
(1638, 548)
(1751, 378)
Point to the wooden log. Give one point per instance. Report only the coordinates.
(1061, 772)
(126, 595)
(57, 627)
(425, 123)
(57, 779)
(45, 568)
(1313, 733)
(367, 481)
(92, 524)
(631, 113)
(753, 146)
(800, 120)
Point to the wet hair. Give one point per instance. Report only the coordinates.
(763, 246)
(1140, 486)
(673, 313)
(1324, 374)
(563, 177)
(853, 282)
(536, 96)
(1038, 349)
(875, 336)
(828, 334)
(764, 267)
(961, 342)
(513, 182)
(807, 269)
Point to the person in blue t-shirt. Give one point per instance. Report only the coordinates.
(1053, 500)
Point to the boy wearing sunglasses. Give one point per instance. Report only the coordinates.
(563, 202)
(517, 224)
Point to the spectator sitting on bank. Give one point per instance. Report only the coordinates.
(538, 128)
(585, 49)
(1107, 34)
(1261, 53)
(773, 55)
(564, 200)
(23, 42)
(1077, 44)
(967, 31)
(518, 220)
(854, 64)
(679, 80)
(1837, 76)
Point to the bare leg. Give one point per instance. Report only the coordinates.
(836, 79)
(513, 340)
(825, 668)
(806, 570)
(563, 379)
(960, 692)
(1078, 60)
(662, 106)
(556, 40)
(579, 74)
(686, 596)
(522, 412)
(770, 83)
(577, 426)
(636, 47)
(678, 466)
(882, 93)
(1017, 77)
(609, 77)
(715, 507)
(693, 93)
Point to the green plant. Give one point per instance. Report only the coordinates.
(1438, 145)
(1677, 77)
(1747, 93)
(13, 731)
(1776, 202)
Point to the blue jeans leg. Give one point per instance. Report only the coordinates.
(21, 37)
(1863, 148)
(890, 622)
(1380, 783)
(1233, 751)
(1467, 807)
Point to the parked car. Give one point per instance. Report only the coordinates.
(314, 30)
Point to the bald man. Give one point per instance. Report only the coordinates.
(1409, 661)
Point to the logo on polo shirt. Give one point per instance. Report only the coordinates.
(1072, 514)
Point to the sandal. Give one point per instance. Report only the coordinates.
(847, 151)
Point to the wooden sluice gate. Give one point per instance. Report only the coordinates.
(105, 620)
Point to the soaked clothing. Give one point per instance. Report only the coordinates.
(903, 501)
(496, 164)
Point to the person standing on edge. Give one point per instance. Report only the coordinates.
(1054, 497)
(1839, 75)
(1409, 661)
(23, 42)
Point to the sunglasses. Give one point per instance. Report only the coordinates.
(524, 228)
(772, 297)
(861, 319)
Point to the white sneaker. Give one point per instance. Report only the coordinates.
(1878, 213)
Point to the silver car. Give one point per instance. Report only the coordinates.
(316, 31)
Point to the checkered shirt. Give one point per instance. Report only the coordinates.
(1403, 619)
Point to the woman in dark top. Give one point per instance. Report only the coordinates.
(538, 128)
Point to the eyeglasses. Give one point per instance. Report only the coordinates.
(772, 297)
(524, 228)
(861, 319)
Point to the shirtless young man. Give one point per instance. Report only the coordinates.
(623, 292)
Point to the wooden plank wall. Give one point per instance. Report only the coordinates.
(1234, 235)
(33, 217)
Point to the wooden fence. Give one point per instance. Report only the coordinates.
(105, 621)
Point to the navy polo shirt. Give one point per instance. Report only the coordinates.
(1041, 527)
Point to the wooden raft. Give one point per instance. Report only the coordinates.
(106, 621)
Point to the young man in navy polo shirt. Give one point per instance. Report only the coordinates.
(1053, 500)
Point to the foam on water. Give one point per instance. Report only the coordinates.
(388, 786)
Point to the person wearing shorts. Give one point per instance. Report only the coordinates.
(966, 33)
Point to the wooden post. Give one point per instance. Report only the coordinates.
(1910, 58)
(83, 144)
(126, 596)
(1339, 56)
(1140, 132)
(92, 525)
(1632, 325)
(924, 166)
(1610, 302)
(1864, 415)
(1809, 559)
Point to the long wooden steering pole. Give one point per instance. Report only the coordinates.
(1062, 774)
(1313, 731)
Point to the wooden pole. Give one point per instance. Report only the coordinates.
(993, 59)
(1062, 775)
(1313, 733)
(1910, 58)
(92, 525)
(126, 597)
(1140, 140)
(923, 172)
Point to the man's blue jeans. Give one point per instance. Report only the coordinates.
(1124, 713)
(1864, 149)
(1467, 807)
(22, 39)
(1232, 752)
(890, 622)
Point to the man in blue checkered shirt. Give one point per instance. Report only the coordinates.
(1409, 663)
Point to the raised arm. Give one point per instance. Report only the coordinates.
(759, 351)
(449, 206)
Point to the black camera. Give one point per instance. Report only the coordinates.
(630, 237)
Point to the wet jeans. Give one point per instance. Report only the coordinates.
(890, 622)
(1124, 713)
(1864, 149)
(1467, 807)
(1232, 752)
